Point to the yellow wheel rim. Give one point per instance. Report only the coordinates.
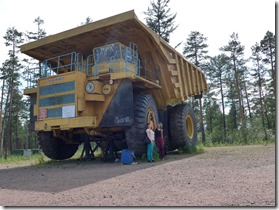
(189, 127)
(151, 118)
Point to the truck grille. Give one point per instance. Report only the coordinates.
(54, 97)
(57, 88)
(56, 100)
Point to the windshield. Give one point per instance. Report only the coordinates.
(104, 53)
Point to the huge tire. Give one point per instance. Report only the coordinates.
(145, 111)
(55, 148)
(183, 126)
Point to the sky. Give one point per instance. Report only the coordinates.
(215, 19)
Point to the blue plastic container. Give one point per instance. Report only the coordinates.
(127, 156)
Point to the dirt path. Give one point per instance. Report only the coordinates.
(227, 176)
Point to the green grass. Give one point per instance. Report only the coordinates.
(37, 159)
(19, 159)
(198, 149)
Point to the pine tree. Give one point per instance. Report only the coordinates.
(213, 118)
(195, 48)
(232, 122)
(2, 102)
(236, 51)
(160, 20)
(195, 51)
(258, 73)
(11, 71)
(218, 67)
(269, 60)
(33, 36)
(268, 49)
(87, 20)
(40, 33)
(246, 87)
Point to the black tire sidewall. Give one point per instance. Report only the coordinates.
(190, 112)
(177, 124)
(136, 133)
(55, 148)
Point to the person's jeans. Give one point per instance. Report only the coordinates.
(150, 148)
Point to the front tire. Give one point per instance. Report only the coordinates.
(55, 148)
(183, 126)
(145, 111)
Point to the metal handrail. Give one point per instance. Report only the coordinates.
(75, 61)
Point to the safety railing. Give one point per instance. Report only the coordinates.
(89, 64)
(125, 60)
(150, 71)
(63, 63)
(53, 66)
(31, 76)
(128, 58)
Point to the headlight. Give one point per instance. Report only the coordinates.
(89, 87)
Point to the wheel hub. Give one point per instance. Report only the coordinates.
(189, 127)
(151, 119)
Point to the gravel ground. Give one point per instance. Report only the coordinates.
(222, 176)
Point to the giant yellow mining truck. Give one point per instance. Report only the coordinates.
(104, 81)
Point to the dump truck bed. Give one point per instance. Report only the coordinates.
(179, 79)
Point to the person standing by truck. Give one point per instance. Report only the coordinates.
(150, 147)
(159, 140)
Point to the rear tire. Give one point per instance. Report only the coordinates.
(55, 148)
(144, 105)
(183, 126)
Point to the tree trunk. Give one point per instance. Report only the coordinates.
(11, 90)
(1, 128)
(201, 122)
(1, 140)
(16, 133)
(238, 94)
(261, 99)
(223, 111)
(273, 73)
(234, 116)
(247, 99)
(10, 120)
(266, 115)
(4, 128)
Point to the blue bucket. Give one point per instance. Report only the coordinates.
(127, 156)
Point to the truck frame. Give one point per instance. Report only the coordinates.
(104, 81)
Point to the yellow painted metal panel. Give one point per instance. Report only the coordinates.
(57, 94)
(30, 91)
(180, 79)
(81, 104)
(182, 70)
(57, 79)
(94, 97)
(65, 124)
(35, 110)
